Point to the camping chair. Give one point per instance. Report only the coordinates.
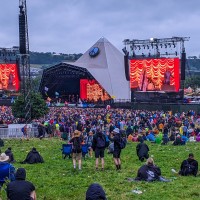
(4, 172)
(66, 150)
(84, 150)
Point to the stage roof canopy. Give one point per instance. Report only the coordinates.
(106, 64)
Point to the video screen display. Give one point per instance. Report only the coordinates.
(9, 77)
(154, 74)
(91, 90)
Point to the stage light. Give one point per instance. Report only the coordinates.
(143, 55)
(139, 47)
(152, 46)
(151, 39)
(149, 54)
(144, 46)
(166, 53)
(165, 45)
(156, 46)
(161, 45)
(147, 46)
(176, 53)
(169, 45)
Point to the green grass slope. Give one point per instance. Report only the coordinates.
(56, 180)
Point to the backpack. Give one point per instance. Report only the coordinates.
(77, 148)
(101, 143)
(188, 169)
(22, 130)
(122, 143)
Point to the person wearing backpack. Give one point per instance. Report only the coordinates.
(189, 166)
(117, 147)
(99, 145)
(76, 148)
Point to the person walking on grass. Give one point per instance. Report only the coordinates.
(76, 148)
(117, 150)
(99, 145)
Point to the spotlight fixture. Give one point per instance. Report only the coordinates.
(166, 53)
(143, 55)
(147, 46)
(165, 45)
(176, 53)
(144, 46)
(149, 55)
(161, 45)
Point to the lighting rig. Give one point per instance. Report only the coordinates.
(25, 59)
(154, 47)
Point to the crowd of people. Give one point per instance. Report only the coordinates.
(100, 128)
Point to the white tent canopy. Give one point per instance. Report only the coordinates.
(107, 68)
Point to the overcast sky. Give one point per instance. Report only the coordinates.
(73, 26)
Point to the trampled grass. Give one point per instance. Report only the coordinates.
(56, 180)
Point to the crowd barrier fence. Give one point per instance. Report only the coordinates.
(6, 133)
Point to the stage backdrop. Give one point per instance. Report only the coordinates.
(155, 74)
(92, 90)
(9, 77)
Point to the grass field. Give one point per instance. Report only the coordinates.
(56, 180)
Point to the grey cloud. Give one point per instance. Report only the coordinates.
(73, 26)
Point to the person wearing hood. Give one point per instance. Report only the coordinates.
(189, 166)
(95, 192)
(33, 157)
(20, 189)
(9, 153)
(99, 145)
(142, 150)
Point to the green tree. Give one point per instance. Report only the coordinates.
(193, 82)
(38, 108)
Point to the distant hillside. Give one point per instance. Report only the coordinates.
(52, 58)
(193, 66)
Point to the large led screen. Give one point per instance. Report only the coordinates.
(9, 78)
(154, 74)
(92, 91)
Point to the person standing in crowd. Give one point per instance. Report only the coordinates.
(89, 141)
(117, 150)
(142, 150)
(76, 148)
(189, 166)
(99, 145)
(20, 188)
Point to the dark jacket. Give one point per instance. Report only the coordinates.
(95, 192)
(142, 150)
(193, 165)
(116, 139)
(95, 138)
(33, 157)
(148, 173)
(9, 153)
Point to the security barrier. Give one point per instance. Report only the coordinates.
(17, 132)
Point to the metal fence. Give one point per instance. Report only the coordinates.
(17, 132)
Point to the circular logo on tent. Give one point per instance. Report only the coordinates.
(94, 52)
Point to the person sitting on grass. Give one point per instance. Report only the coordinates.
(95, 192)
(142, 150)
(7, 170)
(189, 166)
(20, 188)
(9, 153)
(150, 172)
(33, 157)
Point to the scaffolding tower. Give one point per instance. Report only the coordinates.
(24, 59)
